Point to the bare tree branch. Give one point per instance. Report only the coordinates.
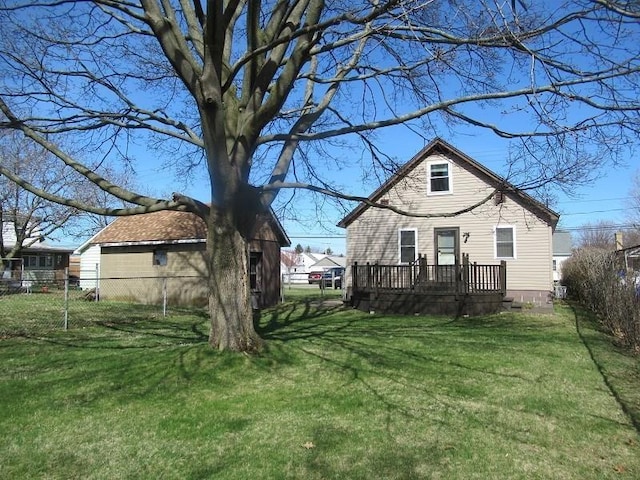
(366, 201)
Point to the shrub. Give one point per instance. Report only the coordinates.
(598, 280)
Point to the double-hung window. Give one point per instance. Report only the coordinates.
(45, 261)
(408, 245)
(439, 178)
(505, 236)
(30, 261)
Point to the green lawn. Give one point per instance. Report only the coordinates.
(337, 394)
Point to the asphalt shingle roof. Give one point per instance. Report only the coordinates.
(165, 225)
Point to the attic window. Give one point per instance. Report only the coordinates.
(498, 198)
(439, 182)
(384, 202)
(159, 258)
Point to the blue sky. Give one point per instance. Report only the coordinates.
(604, 199)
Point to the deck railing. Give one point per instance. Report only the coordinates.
(461, 278)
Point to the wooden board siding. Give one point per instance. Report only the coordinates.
(128, 273)
(373, 236)
(270, 271)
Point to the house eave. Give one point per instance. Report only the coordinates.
(152, 242)
(46, 249)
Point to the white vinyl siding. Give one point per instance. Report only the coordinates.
(90, 267)
(371, 237)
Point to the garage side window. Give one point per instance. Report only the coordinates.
(159, 257)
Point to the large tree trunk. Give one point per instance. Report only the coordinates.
(229, 291)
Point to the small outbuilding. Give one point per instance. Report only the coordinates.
(145, 257)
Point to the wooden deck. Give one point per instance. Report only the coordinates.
(461, 289)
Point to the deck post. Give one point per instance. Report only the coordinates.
(354, 277)
(457, 277)
(423, 273)
(474, 276)
(503, 277)
(376, 280)
(368, 276)
(465, 272)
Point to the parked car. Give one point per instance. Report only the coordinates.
(315, 277)
(332, 276)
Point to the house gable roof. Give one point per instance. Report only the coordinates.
(331, 261)
(440, 146)
(166, 226)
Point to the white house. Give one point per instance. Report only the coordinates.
(296, 266)
(562, 248)
(89, 253)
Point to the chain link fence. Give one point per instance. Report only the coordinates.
(36, 303)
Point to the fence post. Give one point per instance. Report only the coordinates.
(503, 276)
(97, 295)
(66, 298)
(164, 296)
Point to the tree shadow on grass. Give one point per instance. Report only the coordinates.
(137, 329)
(593, 343)
(431, 357)
(306, 319)
(298, 319)
(373, 339)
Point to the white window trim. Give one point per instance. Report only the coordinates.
(415, 236)
(495, 242)
(450, 171)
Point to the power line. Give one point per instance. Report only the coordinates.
(330, 237)
(594, 228)
(596, 211)
(596, 200)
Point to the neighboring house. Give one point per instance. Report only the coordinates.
(329, 261)
(562, 249)
(288, 265)
(630, 257)
(37, 260)
(297, 266)
(506, 225)
(164, 251)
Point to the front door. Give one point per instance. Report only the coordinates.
(446, 255)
